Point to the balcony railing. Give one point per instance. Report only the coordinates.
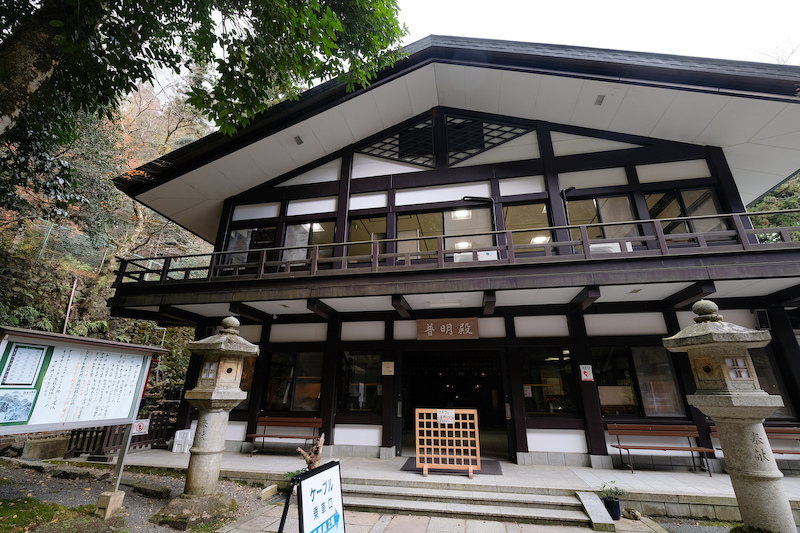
(710, 234)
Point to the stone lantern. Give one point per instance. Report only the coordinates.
(216, 393)
(729, 393)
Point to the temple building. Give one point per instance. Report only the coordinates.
(511, 227)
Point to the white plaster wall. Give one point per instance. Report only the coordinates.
(255, 211)
(625, 324)
(492, 328)
(312, 206)
(357, 435)
(369, 200)
(584, 179)
(541, 326)
(740, 317)
(363, 331)
(444, 193)
(405, 330)
(557, 440)
(327, 172)
(678, 170)
(236, 431)
(299, 332)
(365, 166)
(524, 185)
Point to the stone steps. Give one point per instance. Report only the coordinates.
(565, 508)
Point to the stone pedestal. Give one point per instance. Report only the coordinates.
(216, 393)
(109, 503)
(729, 393)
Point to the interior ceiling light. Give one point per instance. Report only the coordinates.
(463, 245)
(462, 214)
(441, 304)
(540, 239)
(599, 99)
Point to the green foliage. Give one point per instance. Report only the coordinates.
(18, 515)
(783, 198)
(290, 475)
(609, 490)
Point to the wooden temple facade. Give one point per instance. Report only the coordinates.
(510, 227)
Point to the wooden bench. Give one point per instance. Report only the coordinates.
(277, 421)
(650, 430)
(776, 433)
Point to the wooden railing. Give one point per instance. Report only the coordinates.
(710, 234)
(101, 442)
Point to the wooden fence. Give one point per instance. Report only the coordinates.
(101, 442)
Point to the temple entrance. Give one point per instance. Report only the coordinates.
(461, 380)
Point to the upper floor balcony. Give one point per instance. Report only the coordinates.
(666, 237)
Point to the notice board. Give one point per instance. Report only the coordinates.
(50, 381)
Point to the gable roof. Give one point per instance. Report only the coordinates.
(750, 110)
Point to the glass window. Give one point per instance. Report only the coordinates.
(769, 377)
(548, 382)
(603, 209)
(248, 239)
(361, 389)
(306, 234)
(615, 381)
(468, 224)
(657, 382)
(366, 229)
(527, 216)
(295, 382)
(639, 380)
(688, 203)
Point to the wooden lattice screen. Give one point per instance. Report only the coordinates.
(450, 447)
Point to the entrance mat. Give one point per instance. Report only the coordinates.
(489, 467)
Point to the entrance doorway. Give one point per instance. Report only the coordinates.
(460, 380)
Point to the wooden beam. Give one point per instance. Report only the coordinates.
(790, 296)
(244, 310)
(689, 295)
(181, 315)
(489, 301)
(401, 305)
(320, 308)
(586, 297)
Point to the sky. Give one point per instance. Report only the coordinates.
(742, 30)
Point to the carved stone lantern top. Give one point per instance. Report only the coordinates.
(225, 343)
(709, 329)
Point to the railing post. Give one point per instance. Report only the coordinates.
(262, 259)
(510, 247)
(212, 265)
(587, 252)
(375, 253)
(121, 273)
(741, 232)
(662, 240)
(440, 254)
(165, 269)
(314, 259)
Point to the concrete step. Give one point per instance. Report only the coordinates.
(458, 483)
(505, 499)
(530, 514)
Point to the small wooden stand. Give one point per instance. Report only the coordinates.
(454, 446)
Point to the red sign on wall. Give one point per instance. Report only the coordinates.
(447, 329)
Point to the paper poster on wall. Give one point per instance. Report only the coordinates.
(586, 373)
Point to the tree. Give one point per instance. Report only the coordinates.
(61, 58)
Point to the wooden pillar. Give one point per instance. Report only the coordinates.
(787, 352)
(387, 383)
(260, 378)
(330, 379)
(590, 399)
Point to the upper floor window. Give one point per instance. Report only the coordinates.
(686, 203)
(365, 230)
(466, 227)
(527, 217)
(602, 210)
(299, 238)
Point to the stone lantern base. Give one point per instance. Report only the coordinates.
(185, 512)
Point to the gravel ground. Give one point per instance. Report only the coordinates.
(18, 481)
